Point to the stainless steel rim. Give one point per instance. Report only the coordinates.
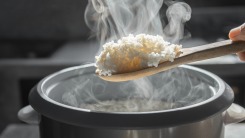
(155, 119)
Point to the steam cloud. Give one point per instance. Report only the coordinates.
(113, 19)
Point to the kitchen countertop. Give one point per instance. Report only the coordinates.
(31, 131)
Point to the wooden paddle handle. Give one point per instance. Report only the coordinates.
(213, 50)
(200, 53)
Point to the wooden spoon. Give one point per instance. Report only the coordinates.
(189, 55)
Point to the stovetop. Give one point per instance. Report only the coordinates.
(31, 131)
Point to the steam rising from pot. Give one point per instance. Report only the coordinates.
(112, 19)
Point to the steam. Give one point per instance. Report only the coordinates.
(113, 19)
(177, 14)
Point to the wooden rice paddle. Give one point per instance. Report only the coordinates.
(189, 55)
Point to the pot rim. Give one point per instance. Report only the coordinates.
(43, 82)
(219, 102)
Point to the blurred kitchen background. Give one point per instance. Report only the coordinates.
(39, 37)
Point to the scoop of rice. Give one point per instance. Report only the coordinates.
(133, 53)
